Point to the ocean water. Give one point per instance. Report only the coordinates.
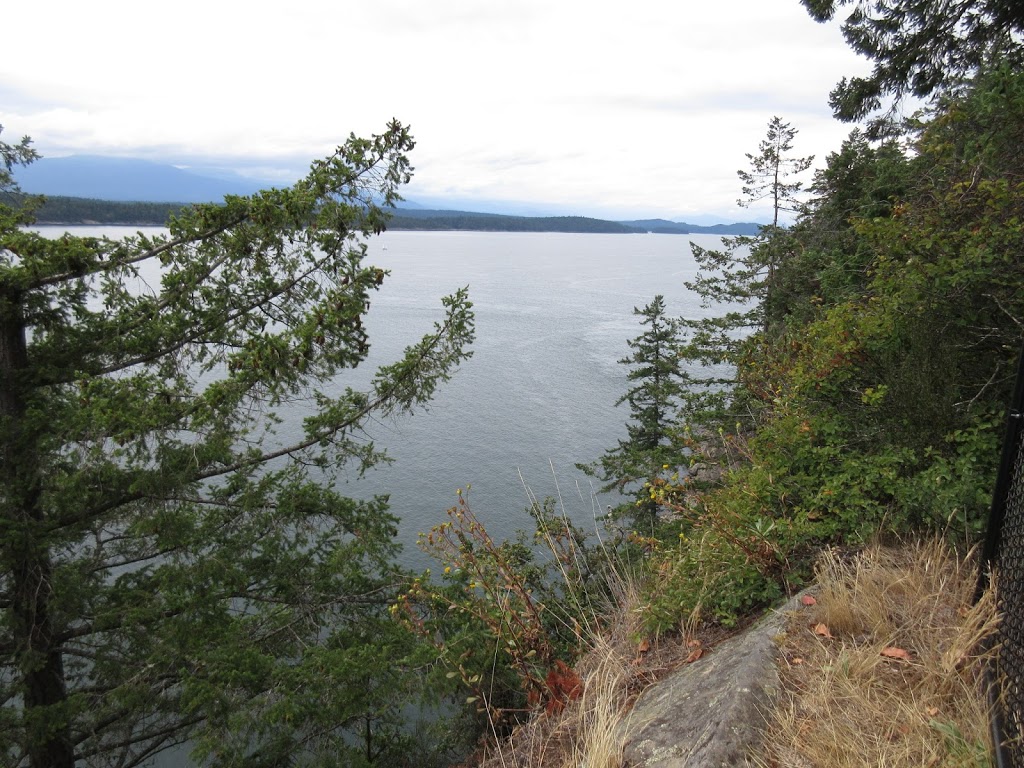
(554, 313)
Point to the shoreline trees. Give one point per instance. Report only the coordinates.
(873, 370)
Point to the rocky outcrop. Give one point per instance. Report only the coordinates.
(710, 713)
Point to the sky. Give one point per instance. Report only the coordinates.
(643, 108)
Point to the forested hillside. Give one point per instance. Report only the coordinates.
(80, 210)
(403, 218)
(860, 385)
(56, 209)
(855, 389)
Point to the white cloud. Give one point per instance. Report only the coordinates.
(646, 106)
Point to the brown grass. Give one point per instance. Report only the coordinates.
(851, 700)
(589, 731)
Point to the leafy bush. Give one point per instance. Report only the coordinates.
(508, 618)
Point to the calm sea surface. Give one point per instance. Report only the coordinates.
(553, 315)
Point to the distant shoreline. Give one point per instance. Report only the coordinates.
(77, 211)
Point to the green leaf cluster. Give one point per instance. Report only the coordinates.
(918, 49)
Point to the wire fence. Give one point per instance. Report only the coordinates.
(1003, 557)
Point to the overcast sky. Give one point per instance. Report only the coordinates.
(601, 108)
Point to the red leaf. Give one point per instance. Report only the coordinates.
(821, 630)
(808, 600)
(563, 685)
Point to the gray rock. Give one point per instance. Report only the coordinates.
(710, 713)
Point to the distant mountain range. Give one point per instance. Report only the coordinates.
(127, 180)
(134, 186)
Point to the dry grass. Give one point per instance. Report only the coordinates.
(851, 700)
(589, 731)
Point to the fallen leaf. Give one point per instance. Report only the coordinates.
(695, 654)
(693, 643)
(895, 653)
(808, 600)
(932, 711)
(645, 646)
(822, 631)
(797, 661)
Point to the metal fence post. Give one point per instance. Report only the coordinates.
(1003, 555)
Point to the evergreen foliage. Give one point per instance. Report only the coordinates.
(872, 358)
(919, 48)
(654, 441)
(773, 170)
(172, 568)
(741, 277)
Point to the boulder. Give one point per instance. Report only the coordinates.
(711, 712)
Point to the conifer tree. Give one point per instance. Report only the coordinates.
(919, 48)
(773, 171)
(741, 274)
(173, 569)
(738, 279)
(652, 434)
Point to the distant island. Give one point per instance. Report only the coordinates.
(100, 190)
(420, 219)
(78, 210)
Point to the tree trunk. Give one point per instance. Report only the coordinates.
(26, 558)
